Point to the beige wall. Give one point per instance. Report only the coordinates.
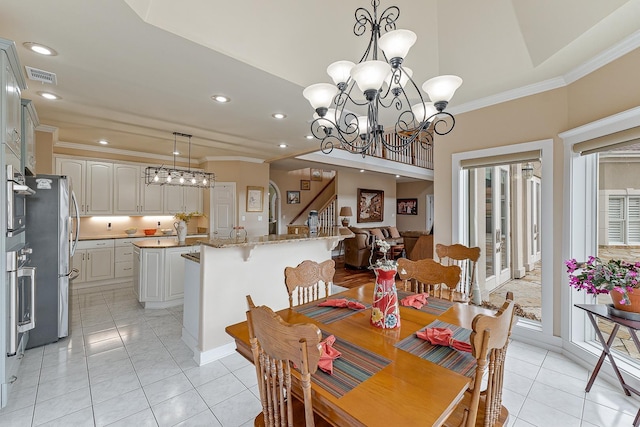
(290, 181)
(605, 92)
(44, 152)
(347, 188)
(418, 190)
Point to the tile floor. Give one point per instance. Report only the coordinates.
(127, 366)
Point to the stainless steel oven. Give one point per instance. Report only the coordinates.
(22, 294)
(17, 190)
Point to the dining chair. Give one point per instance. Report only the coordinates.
(279, 348)
(304, 281)
(466, 258)
(427, 275)
(482, 404)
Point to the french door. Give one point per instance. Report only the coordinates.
(498, 213)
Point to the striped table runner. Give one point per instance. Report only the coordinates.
(327, 315)
(354, 366)
(435, 306)
(447, 357)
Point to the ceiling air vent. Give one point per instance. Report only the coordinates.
(41, 75)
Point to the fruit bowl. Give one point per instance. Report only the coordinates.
(150, 231)
(131, 231)
(166, 230)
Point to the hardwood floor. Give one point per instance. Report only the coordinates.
(351, 277)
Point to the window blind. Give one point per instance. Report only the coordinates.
(501, 159)
(608, 142)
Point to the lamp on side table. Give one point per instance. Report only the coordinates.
(345, 212)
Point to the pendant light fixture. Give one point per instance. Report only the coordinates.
(385, 84)
(162, 175)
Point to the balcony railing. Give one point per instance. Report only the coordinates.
(414, 154)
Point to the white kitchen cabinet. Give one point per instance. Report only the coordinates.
(151, 199)
(29, 123)
(123, 258)
(91, 182)
(182, 199)
(159, 275)
(11, 98)
(95, 260)
(126, 189)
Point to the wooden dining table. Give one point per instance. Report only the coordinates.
(407, 391)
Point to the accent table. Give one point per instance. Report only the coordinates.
(632, 326)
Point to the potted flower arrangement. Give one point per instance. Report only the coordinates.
(181, 225)
(618, 278)
(186, 217)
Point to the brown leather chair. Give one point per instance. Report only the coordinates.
(357, 249)
(418, 244)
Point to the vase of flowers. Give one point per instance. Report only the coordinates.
(180, 225)
(385, 312)
(618, 278)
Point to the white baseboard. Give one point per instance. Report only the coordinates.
(204, 357)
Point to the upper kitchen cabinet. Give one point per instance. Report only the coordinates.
(29, 123)
(182, 199)
(13, 83)
(92, 183)
(131, 196)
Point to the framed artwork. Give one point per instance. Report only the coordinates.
(305, 184)
(316, 174)
(293, 197)
(255, 195)
(407, 207)
(370, 205)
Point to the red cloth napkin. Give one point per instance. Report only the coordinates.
(329, 354)
(415, 300)
(443, 336)
(342, 303)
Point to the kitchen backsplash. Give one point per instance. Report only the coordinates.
(98, 225)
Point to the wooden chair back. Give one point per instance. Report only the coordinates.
(275, 345)
(466, 258)
(489, 341)
(427, 275)
(304, 281)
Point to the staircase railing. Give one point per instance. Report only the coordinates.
(308, 205)
(328, 214)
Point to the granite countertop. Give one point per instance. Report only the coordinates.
(167, 243)
(136, 236)
(336, 232)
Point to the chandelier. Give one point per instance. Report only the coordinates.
(384, 85)
(162, 175)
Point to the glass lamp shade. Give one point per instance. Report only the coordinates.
(331, 116)
(423, 111)
(442, 88)
(369, 75)
(362, 123)
(320, 95)
(391, 80)
(340, 71)
(396, 43)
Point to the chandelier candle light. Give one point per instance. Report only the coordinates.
(384, 84)
(162, 175)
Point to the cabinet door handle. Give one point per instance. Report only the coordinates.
(129, 268)
(100, 244)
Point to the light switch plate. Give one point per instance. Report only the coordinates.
(259, 217)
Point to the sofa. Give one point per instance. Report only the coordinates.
(418, 244)
(357, 249)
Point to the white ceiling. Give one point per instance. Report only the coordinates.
(134, 71)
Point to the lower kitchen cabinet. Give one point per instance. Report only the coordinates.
(94, 260)
(159, 275)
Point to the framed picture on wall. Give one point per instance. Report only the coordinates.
(254, 198)
(407, 207)
(293, 197)
(370, 205)
(305, 184)
(316, 174)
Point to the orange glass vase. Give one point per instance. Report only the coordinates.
(634, 297)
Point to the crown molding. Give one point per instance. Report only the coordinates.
(104, 149)
(46, 128)
(232, 159)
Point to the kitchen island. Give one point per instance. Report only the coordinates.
(158, 270)
(229, 270)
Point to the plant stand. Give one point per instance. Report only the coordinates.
(632, 326)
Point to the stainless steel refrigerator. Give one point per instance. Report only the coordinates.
(48, 234)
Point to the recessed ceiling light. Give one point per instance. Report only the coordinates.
(103, 142)
(309, 136)
(48, 95)
(176, 153)
(40, 48)
(282, 145)
(361, 170)
(221, 98)
(278, 116)
(397, 176)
